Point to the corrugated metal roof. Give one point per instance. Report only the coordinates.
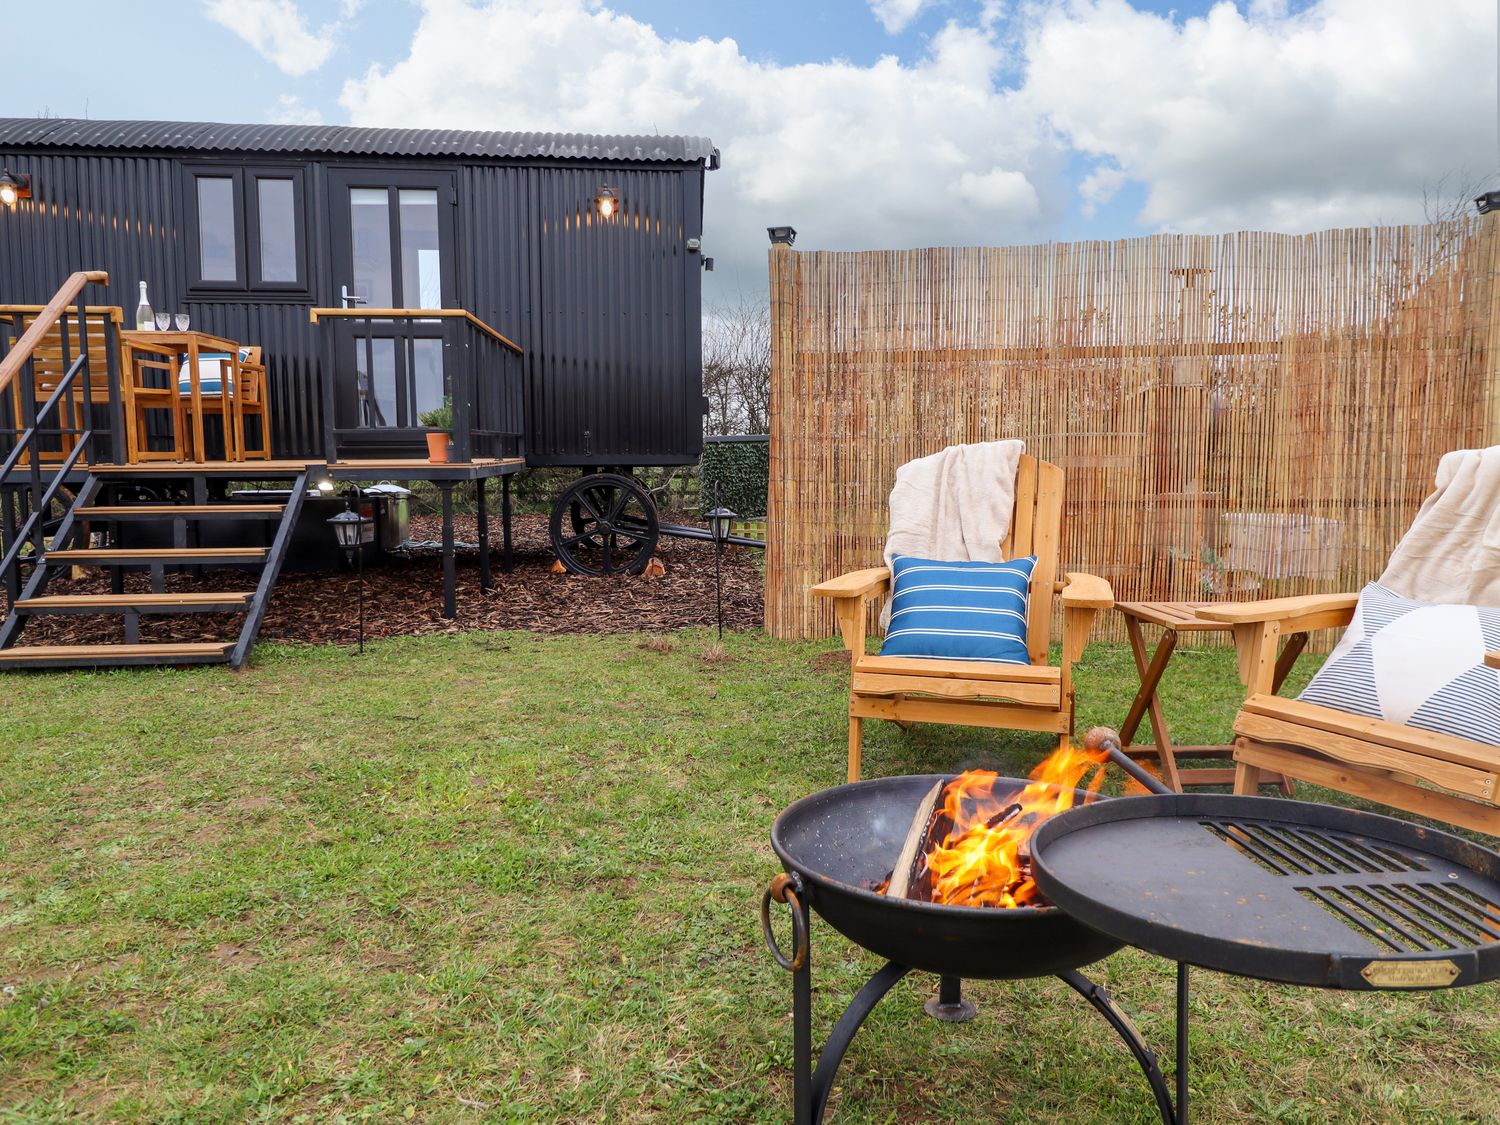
(346, 140)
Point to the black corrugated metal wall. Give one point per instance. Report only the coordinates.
(607, 312)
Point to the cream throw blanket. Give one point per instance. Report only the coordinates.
(955, 505)
(1451, 553)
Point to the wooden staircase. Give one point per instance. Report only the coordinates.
(65, 549)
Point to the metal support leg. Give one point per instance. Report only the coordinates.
(1182, 1043)
(158, 578)
(506, 560)
(482, 526)
(949, 1004)
(450, 561)
(811, 1088)
(132, 628)
(1105, 1005)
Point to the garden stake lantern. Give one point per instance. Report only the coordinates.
(718, 525)
(348, 527)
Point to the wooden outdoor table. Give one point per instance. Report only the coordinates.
(1174, 618)
(137, 346)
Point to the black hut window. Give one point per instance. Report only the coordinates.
(249, 228)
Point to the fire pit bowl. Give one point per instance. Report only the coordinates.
(844, 841)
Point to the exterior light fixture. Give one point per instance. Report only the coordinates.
(782, 236)
(1489, 201)
(348, 528)
(325, 486)
(719, 521)
(607, 202)
(14, 186)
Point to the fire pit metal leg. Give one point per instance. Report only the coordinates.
(810, 1109)
(1105, 1005)
(949, 1004)
(1182, 1043)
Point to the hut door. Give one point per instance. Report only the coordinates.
(393, 248)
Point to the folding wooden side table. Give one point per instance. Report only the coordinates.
(1174, 618)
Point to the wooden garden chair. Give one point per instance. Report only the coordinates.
(249, 400)
(1036, 696)
(49, 368)
(1441, 776)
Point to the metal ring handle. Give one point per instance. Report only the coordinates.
(784, 888)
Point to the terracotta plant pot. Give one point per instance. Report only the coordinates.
(437, 447)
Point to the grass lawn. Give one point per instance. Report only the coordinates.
(506, 877)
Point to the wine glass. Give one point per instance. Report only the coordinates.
(181, 320)
(163, 321)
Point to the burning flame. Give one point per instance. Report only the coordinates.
(982, 860)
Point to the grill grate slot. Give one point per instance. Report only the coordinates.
(1485, 912)
(1246, 848)
(1429, 927)
(1320, 859)
(1346, 850)
(1429, 896)
(1365, 920)
(1403, 861)
(1358, 919)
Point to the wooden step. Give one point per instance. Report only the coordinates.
(231, 601)
(116, 556)
(113, 656)
(182, 512)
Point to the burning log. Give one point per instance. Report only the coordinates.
(968, 843)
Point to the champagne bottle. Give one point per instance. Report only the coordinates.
(145, 319)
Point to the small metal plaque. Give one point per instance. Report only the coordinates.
(1410, 974)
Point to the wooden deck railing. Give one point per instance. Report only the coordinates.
(482, 375)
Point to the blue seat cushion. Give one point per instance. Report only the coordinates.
(959, 610)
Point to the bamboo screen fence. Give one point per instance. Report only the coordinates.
(1245, 415)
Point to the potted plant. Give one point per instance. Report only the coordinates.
(439, 422)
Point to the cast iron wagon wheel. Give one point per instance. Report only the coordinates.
(604, 524)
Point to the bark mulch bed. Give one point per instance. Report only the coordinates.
(404, 596)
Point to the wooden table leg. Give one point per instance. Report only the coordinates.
(199, 446)
(1146, 701)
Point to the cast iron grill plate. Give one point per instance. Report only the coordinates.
(1281, 890)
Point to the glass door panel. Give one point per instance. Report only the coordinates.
(370, 236)
(421, 250)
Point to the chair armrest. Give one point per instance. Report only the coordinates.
(1292, 614)
(855, 584)
(1087, 591)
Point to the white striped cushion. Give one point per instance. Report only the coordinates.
(1417, 664)
(959, 610)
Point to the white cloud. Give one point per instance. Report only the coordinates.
(276, 29)
(1337, 115)
(895, 15)
(290, 110)
(890, 154)
(1332, 115)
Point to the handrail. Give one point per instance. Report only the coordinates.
(416, 314)
(50, 314)
(114, 312)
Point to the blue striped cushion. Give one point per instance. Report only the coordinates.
(210, 379)
(959, 610)
(1417, 664)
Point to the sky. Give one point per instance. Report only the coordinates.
(863, 123)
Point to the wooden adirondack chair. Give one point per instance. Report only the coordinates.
(1437, 775)
(1035, 696)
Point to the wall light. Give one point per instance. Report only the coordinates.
(607, 202)
(14, 186)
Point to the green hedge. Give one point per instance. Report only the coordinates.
(741, 471)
